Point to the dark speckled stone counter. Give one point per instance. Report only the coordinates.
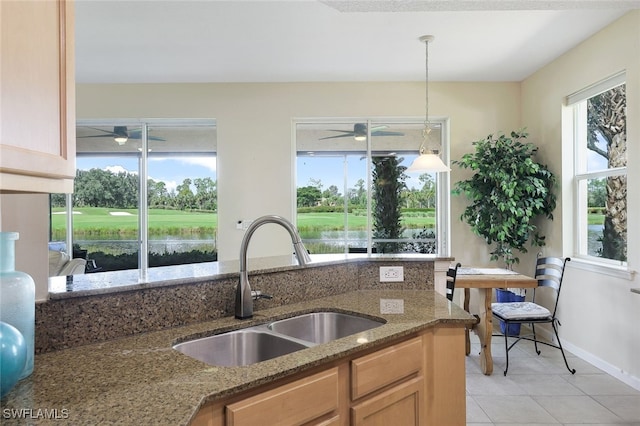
(142, 380)
(122, 281)
(104, 306)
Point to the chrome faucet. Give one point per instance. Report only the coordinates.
(244, 295)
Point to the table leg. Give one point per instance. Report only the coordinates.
(484, 329)
(467, 342)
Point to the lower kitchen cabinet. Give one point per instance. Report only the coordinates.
(401, 405)
(418, 380)
(302, 401)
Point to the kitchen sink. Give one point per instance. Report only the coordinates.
(267, 341)
(240, 347)
(323, 327)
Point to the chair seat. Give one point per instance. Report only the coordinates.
(520, 310)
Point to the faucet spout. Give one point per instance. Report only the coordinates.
(244, 299)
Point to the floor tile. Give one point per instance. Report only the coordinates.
(627, 407)
(539, 390)
(576, 409)
(600, 384)
(536, 384)
(514, 409)
(475, 413)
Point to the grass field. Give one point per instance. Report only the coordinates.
(104, 221)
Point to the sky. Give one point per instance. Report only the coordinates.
(171, 171)
(330, 171)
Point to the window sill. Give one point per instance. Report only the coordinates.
(612, 270)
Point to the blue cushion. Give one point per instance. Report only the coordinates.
(520, 310)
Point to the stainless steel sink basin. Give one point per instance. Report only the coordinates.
(263, 342)
(240, 347)
(323, 327)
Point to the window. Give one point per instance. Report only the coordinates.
(107, 221)
(353, 194)
(600, 144)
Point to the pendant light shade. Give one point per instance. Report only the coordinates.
(428, 163)
(429, 159)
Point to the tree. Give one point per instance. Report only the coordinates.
(157, 193)
(206, 197)
(507, 192)
(331, 196)
(606, 119)
(597, 189)
(308, 196)
(185, 199)
(428, 191)
(388, 183)
(358, 195)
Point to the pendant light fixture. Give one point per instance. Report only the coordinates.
(429, 159)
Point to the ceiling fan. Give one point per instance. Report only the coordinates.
(120, 134)
(359, 132)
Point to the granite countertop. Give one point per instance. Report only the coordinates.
(135, 279)
(142, 380)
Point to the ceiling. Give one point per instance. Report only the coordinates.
(158, 41)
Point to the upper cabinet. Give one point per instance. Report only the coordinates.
(37, 96)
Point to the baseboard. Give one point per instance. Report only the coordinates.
(603, 365)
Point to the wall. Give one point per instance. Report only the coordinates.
(28, 215)
(599, 314)
(255, 136)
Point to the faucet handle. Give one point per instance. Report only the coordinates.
(257, 294)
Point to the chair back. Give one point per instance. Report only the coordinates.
(451, 280)
(549, 273)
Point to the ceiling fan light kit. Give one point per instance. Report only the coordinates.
(429, 159)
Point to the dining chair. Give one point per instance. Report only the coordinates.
(451, 280)
(549, 273)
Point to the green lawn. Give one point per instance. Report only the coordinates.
(103, 221)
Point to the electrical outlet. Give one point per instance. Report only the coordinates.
(391, 274)
(392, 306)
(243, 225)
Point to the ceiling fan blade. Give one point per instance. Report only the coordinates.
(384, 133)
(108, 132)
(348, 135)
(110, 135)
(137, 134)
(378, 128)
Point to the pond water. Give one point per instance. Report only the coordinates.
(176, 243)
(159, 244)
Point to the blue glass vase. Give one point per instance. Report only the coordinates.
(13, 356)
(17, 297)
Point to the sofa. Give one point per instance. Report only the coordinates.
(61, 264)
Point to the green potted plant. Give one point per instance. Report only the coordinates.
(507, 192)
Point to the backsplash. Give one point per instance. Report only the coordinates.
(69, 322)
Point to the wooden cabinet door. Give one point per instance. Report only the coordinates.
(37, 96)
(312, 399)
(401, 405)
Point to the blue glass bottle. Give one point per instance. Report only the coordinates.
(17, 297)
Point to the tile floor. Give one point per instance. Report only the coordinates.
(539, 390)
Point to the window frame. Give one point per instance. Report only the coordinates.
(443, 180)
(576, 103)
(143, 160)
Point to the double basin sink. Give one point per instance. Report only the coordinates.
(266, 341)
